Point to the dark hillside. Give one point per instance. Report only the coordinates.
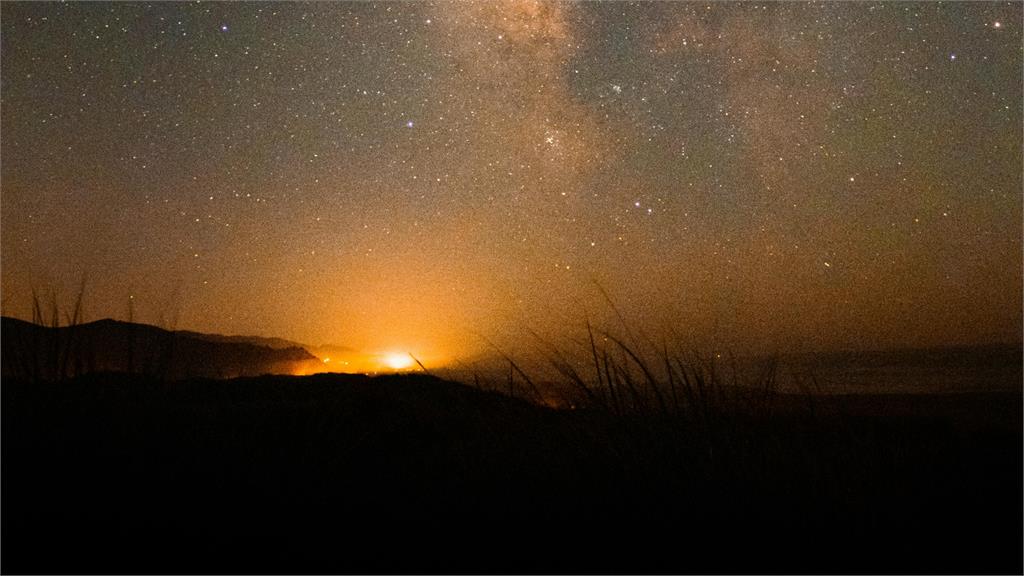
(40, 352)
(275, 343)
(111, 473)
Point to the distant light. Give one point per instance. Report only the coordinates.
(409, 124)
(326, 360)
(952, 56)
(397, 360)
(997, 24)
(223, 27)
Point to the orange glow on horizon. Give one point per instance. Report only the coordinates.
(398, 360)
(365, 363)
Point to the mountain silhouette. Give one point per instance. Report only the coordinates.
(41, 352)
(275, 343)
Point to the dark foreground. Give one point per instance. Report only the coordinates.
(412, 474)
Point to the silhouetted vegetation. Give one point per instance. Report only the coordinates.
(117, 453)
(125, 473)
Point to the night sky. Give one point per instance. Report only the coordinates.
(418, 176)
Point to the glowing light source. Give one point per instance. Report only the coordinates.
(397, 360)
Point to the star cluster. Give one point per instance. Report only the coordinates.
(778, 175)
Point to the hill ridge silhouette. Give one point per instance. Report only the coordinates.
(109, 345)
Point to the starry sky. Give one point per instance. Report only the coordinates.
(426, 175)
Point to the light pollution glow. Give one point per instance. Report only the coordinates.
(367, 363)
(428, 176)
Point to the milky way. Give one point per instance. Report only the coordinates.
(421, 175)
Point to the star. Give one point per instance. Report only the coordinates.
(305, 127)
